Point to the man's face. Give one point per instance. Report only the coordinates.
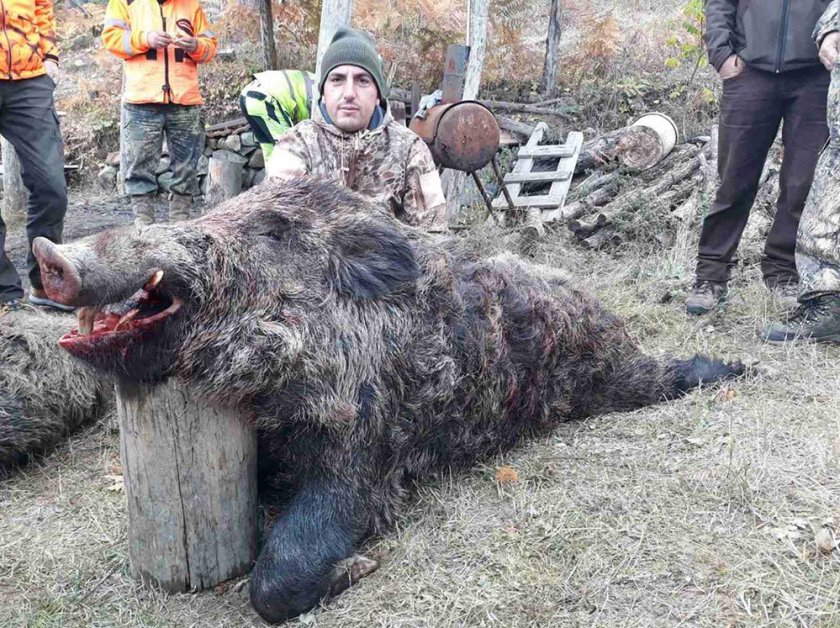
(350, 96)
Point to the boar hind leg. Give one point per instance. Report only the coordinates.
(296, 568)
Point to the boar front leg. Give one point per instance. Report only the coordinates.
(297, 566)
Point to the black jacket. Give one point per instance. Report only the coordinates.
(771, 35)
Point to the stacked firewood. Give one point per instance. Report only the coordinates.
(610, 203)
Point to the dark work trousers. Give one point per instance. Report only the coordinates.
(28, 121)
(754, 103)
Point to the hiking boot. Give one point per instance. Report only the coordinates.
(786, 295)
(38, 297)
(705, 296)
(12, 305)
(816, 320)
(143, 209)
(179, 207)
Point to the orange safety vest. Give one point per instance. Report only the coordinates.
(28, 38)
(168, 75)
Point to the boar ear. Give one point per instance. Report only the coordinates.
(371, 259)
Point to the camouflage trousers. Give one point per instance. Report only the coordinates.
(141, 142)
(818, 238)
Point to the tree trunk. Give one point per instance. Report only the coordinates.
(190, 474)
(15, 194)
(269, 50)
(552, 47)
(334, 13)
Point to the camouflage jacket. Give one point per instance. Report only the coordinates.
(818, 237)
(826, 24)
(389, 164)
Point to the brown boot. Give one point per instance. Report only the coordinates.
(143, 209)
(179, 207)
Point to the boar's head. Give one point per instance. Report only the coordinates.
(232, 297)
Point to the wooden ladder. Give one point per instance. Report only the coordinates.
(560, 178)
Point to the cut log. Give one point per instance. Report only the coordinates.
(228, 127)
(190, 478)
(520, 128)
(15, 194)
(224, 180)
(603, 238)
(637, 142)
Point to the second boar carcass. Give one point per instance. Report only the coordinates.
(372, 355)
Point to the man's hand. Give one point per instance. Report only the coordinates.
(190, 44)
(158, 39)
(731, 68)
(52, 71)
(830, 49)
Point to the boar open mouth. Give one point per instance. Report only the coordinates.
(116, 326)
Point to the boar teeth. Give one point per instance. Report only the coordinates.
(85, 317)
(154, 281)
(126, 319)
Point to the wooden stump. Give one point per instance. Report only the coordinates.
(15, 194)
(191, 484)
(224, 178)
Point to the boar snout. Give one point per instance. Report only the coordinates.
(61, 280)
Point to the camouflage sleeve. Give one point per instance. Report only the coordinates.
(290, 157)
(423, 202)
(826, 24)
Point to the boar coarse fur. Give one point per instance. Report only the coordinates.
(44, 392)
(370, 354)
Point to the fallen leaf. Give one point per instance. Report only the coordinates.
(116, 484)
(727, 393)
(506, 475)
(824, 540)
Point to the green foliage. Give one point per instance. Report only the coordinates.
(686, 47)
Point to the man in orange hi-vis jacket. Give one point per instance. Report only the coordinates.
(162, 43)
(28, 76)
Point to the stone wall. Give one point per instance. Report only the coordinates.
(236, 144)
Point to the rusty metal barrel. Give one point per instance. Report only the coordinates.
(462, 135)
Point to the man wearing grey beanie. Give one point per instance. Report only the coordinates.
(353, 138)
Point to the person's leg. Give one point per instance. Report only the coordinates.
(804, 134)
(185, 138)
(750, 113)
(141, 142)
(30, 123)
(10, 287)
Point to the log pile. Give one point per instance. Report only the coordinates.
(610, 204)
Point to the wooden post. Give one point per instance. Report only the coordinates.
(334, 13)
(269, 50)
(15, 194)
(552, 47)
(190, 478)
(224, 179)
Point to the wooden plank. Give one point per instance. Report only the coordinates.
(522, 165)
(544, 200)
(566, 166)
(526, 177)
(558, 150)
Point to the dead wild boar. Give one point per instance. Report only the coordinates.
(44, 393)
(372, 355)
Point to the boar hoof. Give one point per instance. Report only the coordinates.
(349, 571)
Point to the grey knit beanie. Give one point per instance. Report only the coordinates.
(353, 47)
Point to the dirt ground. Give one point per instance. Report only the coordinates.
(698, 512)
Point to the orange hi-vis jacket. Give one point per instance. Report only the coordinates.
(167, 75)
(28, 38)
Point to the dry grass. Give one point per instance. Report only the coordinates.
(699, 512)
